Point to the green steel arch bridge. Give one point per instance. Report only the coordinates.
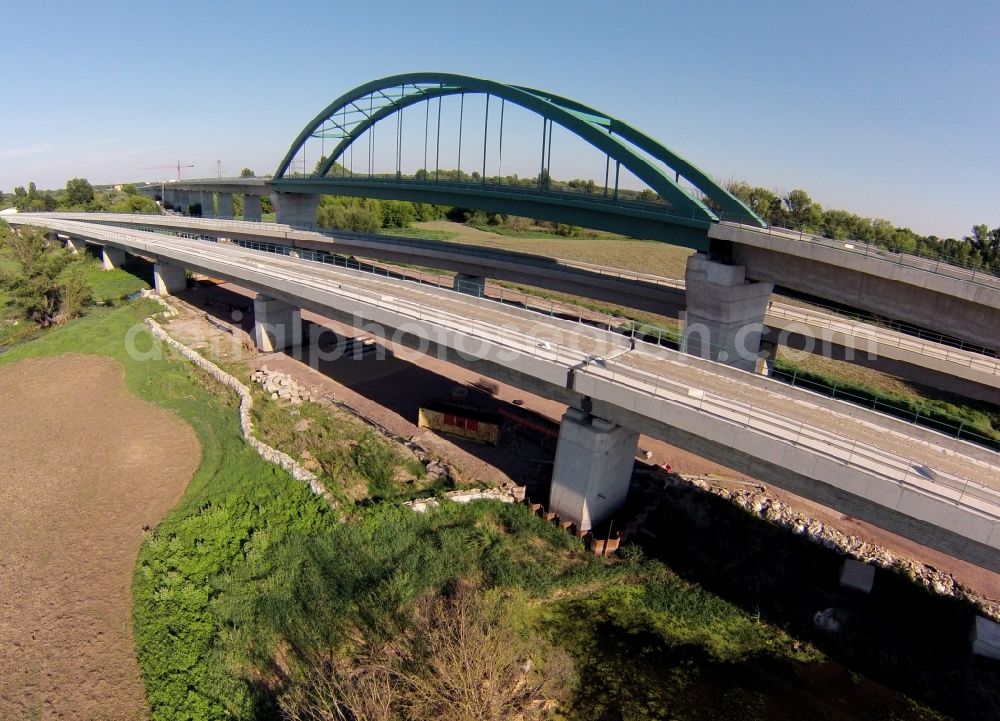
(687, 201)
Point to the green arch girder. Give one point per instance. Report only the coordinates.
(611, 136)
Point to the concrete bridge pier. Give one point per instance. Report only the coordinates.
(169, 197)
(112, 258)
(76, 245)
(593, 468)
(277, 325)
(168, 279)
(724, 319)
(469, 284)
(207, 204)
(225, 201)
(295, 208)
(251, 207)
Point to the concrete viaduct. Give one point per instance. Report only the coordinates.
(936, 490)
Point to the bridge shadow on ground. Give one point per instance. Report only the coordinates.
(900, 635)
(401, 386)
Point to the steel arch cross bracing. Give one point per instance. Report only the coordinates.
(347, 118)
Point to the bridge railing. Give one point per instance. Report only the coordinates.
(972, 358)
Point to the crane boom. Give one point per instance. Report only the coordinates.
(177, 165)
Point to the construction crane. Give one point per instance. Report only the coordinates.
(178, 166)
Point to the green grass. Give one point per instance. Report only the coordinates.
(113, 286)
(422, 233)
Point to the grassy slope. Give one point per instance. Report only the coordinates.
(250, 560)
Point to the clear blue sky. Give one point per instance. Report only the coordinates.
(886, 108)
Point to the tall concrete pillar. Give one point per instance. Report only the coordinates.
(168, 279)
(225, 205)
(277, 324)
(76, 246)
(724, 319)
(469, 284)
(170, 197)
(207, 204)
(295, 208)
(251, 207)
(187, 200)
(112, 258)
(593, 468)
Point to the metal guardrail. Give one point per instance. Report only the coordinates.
(968, 359)
(852, 452)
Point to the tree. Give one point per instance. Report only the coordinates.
(36, 289)
(79, 192)
(986, 242)
(802, 211)
(246, 173)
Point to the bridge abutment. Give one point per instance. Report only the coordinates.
(112, 258)
(168, 279)
(225, 201)
(593, 468)
(277, 324)
(251, 207)
(295, 208)
(724, 319)
(469, 284)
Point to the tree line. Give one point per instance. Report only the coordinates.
(78, 195)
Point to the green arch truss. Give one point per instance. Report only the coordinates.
(348, 117)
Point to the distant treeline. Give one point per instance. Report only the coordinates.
(78, 195)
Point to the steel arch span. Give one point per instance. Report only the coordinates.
(348, 117)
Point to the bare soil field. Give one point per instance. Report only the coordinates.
(84, 467)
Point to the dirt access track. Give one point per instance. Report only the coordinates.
(84, 465)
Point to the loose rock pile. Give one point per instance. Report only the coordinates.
(282, 386)
(756, 502)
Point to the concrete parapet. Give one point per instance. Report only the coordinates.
(593, 468)
(168, 279)
(112, 258)
(277, 324)
(724, 319)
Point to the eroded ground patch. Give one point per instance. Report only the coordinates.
(84, 465)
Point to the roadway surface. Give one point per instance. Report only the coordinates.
(961, 362)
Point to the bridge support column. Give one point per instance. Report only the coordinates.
(76, 246)
(724, 319)
(168, 279)
(295, 208)
(207, 204)
(251, 207)
(169, 197)
(469, 284)
(112, 258)
(277, 324)
(225, 205)
(593, 468)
